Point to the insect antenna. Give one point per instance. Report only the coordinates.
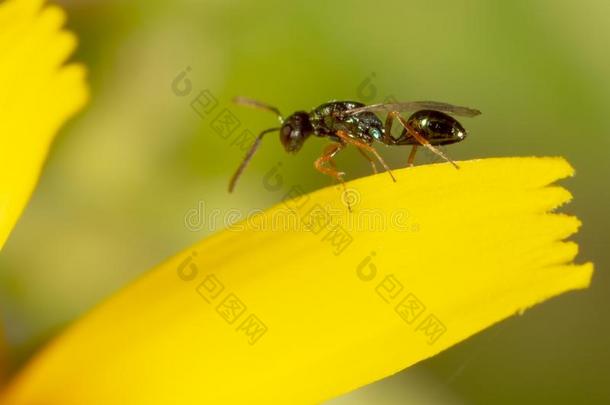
(248, 157)
(248, 102)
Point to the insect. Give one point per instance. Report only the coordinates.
(352, 123)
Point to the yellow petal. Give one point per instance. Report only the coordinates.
(37, 95)
(263, 314)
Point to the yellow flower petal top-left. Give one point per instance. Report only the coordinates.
(38, 94)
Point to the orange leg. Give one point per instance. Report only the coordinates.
(387, 133)
(327, 157)
(365, 147)
(412, 155)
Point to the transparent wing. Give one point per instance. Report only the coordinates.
(417, 105)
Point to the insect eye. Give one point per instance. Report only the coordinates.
(286, 131)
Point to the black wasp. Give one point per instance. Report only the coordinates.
(352, 123)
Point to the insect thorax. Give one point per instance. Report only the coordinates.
(327, 119)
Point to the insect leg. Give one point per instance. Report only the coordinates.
(412, 155)
(361, 145)
(387, 138)
(327, 157)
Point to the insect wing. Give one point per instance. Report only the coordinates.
(417, 105)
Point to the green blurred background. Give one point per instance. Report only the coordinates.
(121, 177)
